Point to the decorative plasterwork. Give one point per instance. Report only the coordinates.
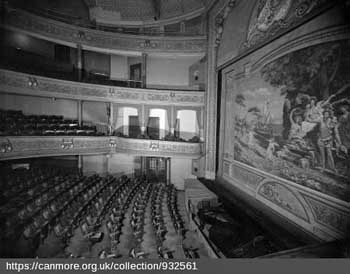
(284, 198)
(321, 215)
(220, 20)
(328, 215)
(72, 35)
(329, 34)
(40, 146)
(246, 176)
(271, 18)
(20, 83)
(216, 20)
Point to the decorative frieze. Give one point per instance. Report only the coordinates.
(39, 146)
(284, 198)
(251, 179)
(329, 216)
(21, 83)
(325, 217)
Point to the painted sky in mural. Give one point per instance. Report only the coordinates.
(292, 118)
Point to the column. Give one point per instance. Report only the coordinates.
(80, 65)
(172, 120)
(168, 161)
(162, 29)
(144, 70)
(203, 24)
(80, 112)
(211, 105)
(200, 122)
(118, 118)
(111, 119)
(166, 169)
(106, 164)
(142, 119)
(80, 164)
(182, 27)
(144, 165)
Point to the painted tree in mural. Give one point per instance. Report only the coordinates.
(319, 71)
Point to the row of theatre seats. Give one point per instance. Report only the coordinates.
(156, 193)
(40, 203)
(15, 123)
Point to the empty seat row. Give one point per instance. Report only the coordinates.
(68, 212)
(117, 214)
(178, 222)
(15, 123)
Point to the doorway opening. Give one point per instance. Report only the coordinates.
(157, 169)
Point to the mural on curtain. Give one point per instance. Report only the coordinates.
(292, 118)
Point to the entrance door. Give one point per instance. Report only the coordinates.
(156, 169)
(134, 127)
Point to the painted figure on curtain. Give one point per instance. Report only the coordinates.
(292, 118)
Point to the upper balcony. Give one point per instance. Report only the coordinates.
(25, 54)
(103, 38)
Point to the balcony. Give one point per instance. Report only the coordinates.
(43, 146)
(97, 40)
(31, 85)
(17, 59)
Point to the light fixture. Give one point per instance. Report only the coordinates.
(6, 147)
(67, 144)
(32, 82)
(112, 143)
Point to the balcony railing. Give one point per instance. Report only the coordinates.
(71, 34)
(40, 146)
(27, 84)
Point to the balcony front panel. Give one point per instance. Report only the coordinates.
(26, 84)
(71, 35)
(39, 146)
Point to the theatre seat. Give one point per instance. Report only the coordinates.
(15, 123)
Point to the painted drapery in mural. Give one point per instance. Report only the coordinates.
(292, 118)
